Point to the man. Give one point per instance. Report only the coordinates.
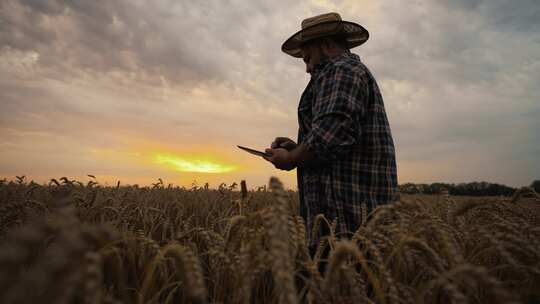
(345, 153)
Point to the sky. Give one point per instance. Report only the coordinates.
(136, 90)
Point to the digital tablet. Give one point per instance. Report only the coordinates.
(254, 152)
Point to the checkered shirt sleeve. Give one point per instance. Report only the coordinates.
(333, 128)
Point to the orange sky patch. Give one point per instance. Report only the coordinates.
(187, 164)
(183, 164)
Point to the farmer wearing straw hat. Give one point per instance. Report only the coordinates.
(345, 156)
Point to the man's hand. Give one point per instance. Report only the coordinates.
(281, 158)
(283, 142)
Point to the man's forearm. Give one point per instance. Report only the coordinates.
(301, 156)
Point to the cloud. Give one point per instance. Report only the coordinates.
(459, 79)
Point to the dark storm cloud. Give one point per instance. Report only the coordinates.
(519, 15)
(179, 40)
(114, 35)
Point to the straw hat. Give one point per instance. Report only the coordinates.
(325, 25)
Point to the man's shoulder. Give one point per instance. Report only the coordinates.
(347, 67)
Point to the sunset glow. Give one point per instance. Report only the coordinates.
(110, 88)
(193, 165)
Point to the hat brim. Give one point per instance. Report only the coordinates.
(354, 33)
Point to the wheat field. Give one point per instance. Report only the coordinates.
(73, 242)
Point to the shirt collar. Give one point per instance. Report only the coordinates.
(324, 63)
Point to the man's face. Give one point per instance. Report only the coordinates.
(312, 55)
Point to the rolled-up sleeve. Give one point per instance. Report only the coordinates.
(337, 106)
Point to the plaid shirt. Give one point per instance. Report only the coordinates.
(342, 121)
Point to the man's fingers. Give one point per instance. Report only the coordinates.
(268, 155)
(288, 145)
(283, 142)
(280, 140)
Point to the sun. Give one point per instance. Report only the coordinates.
(193, 165)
